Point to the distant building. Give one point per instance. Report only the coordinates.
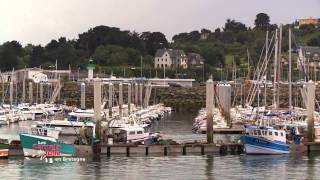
(204, 35)
(308, 56)
(34, 74)
(308, 20)
(195, 59)
(170, 58)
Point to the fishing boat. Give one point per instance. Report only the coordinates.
(4, 148)
(44, 141)
(264, 140)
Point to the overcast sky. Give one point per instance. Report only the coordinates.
(39, 21)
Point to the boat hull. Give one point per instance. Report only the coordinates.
(4, 150)
(258, 145)
(34, 145)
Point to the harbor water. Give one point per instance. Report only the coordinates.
(176, 126)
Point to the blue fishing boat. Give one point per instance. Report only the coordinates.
(264, 140)
(44, 141)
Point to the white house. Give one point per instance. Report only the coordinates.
(170, 58)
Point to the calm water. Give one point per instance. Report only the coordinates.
(178, 127)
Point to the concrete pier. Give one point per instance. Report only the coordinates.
(167, 150)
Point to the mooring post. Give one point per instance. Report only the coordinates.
(23, 99)
(83, 95)
(129, 98)
(310, 109)
(97, 107)
(11, 94)
(209, 109)
(110, 100)
(136, 89)
(140, 94)
(120, 99)
(41, 93)
(30, 93)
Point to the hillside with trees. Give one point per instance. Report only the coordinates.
(115, 50)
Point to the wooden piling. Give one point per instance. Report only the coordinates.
(41, 93)
(110, 100)
(209, 109)
(310, 110)
(120, 99)
(83, 95)
(136, 89)
(11, 94)
(129, 98)
(97, 107)
(30, 93)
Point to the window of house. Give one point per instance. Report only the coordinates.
(276, 133)
(132, 132)
(161, 65)
(139, 132)
(270, 133)
(281, 133)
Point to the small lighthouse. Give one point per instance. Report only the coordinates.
(91, 66)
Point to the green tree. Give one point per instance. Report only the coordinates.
(234, 26)
(262, 21)
(10, 55)
(153, 41)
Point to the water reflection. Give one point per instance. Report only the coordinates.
(209, 167)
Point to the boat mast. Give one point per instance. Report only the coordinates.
(265, 82)
(275, 69)
(289, 78)
(279, 65)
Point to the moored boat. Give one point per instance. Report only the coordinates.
(44, 141)
(4, 148)
(264, 140)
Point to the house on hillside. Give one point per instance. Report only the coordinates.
(308, 21)
(170, 58)
(195, 59)
(308, 57)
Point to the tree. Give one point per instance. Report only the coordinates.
(262, 21)
(315, 41)
(234, 26)
(154, 41)
(10, 55)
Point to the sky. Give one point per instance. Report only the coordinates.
(39, 21)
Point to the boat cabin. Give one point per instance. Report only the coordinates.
(271, 134)
(129, 134)
(49, 132)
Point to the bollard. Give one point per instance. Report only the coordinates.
(165, 150)
(147, 150)
(184, 150)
